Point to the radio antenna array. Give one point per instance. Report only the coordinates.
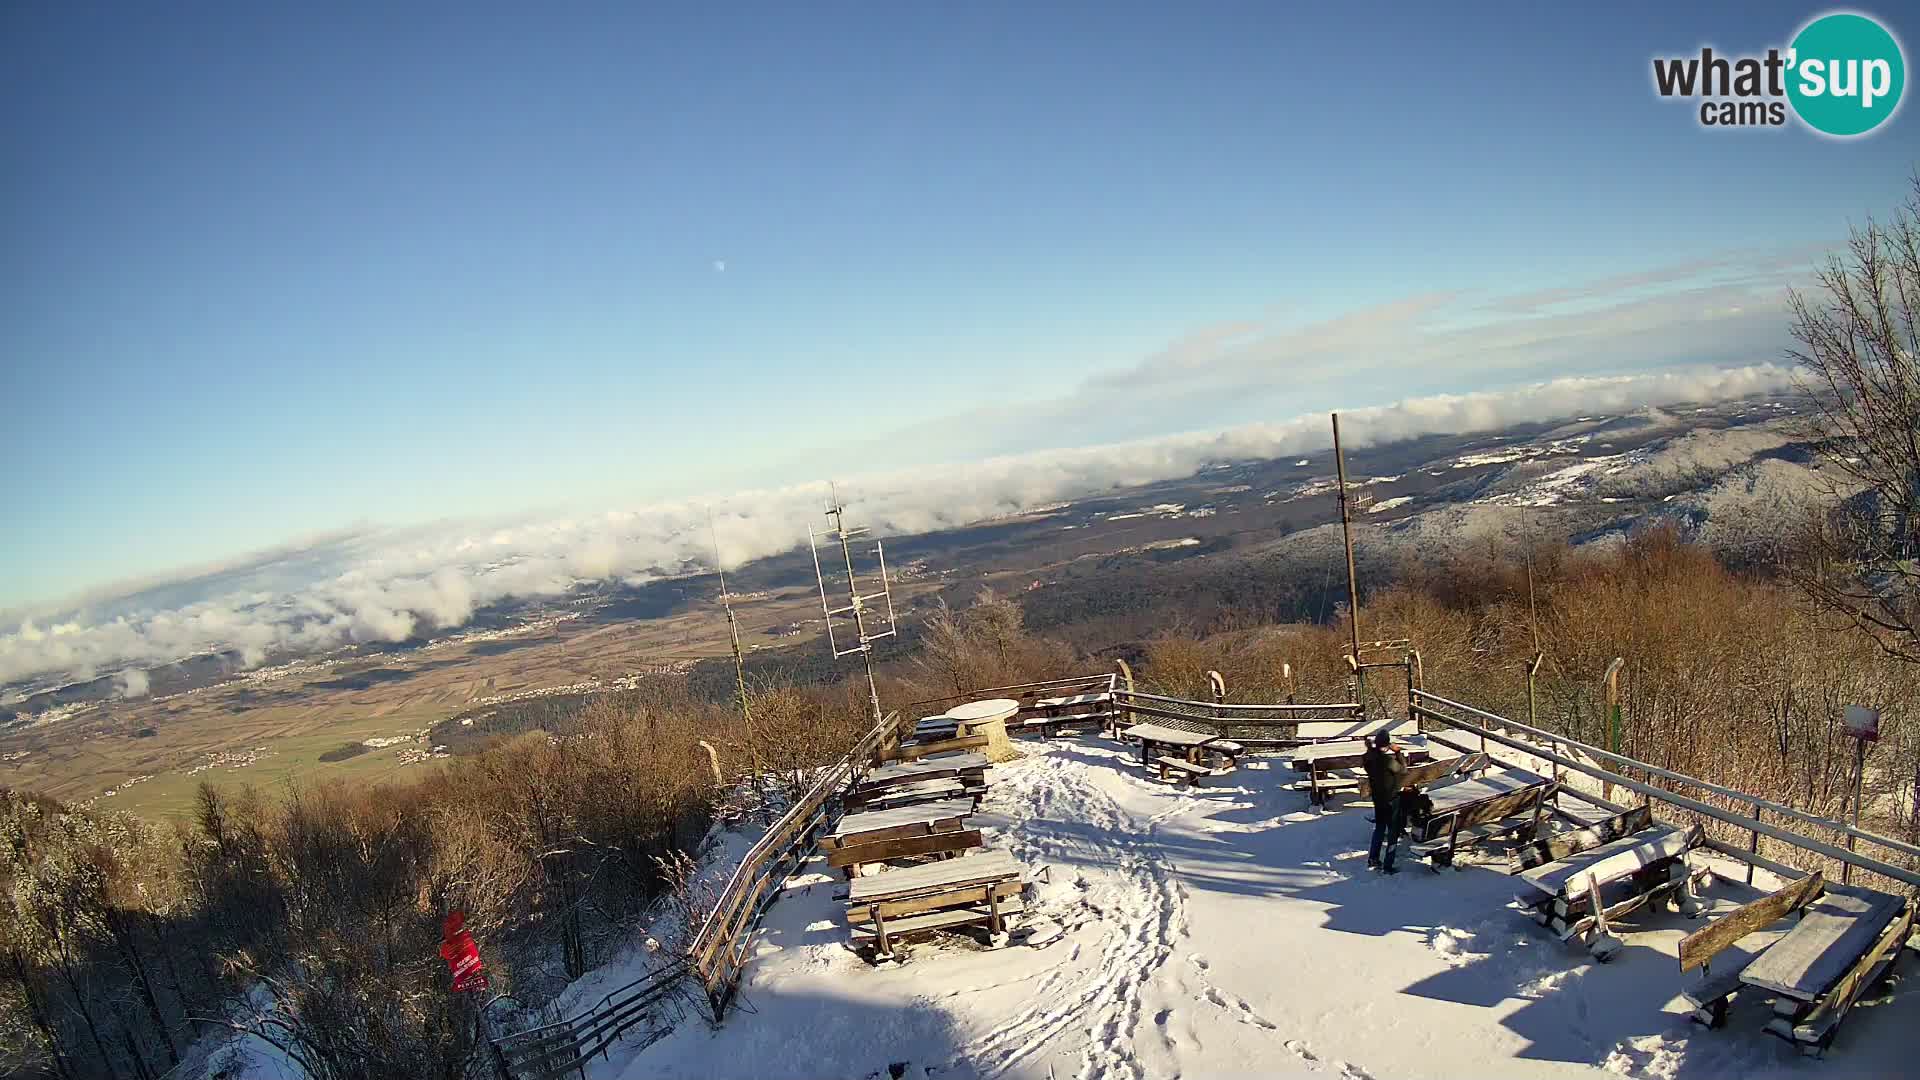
(739, 659)
(862, 609)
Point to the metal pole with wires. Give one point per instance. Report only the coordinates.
(1353, 582)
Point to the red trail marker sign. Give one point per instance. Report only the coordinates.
(457, 948)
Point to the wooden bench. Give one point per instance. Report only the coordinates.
(1487, 819)
(1228, 750)
(1814, 1031)
(1569, 895)
(917, 750)
(1844, 942)
(1712, 993)
(1181, 770)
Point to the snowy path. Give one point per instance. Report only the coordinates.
(1227, 931)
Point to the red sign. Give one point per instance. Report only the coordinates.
(457, 948)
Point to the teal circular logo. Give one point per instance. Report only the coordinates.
(1846, 74)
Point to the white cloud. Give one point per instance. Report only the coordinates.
(368, 585)
(133, 683)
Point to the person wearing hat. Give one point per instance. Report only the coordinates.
(1386, 769)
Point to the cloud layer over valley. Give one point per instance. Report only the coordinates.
(388, 585)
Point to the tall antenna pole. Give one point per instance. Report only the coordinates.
(1353, 581)
(739, 660)
(856, 605)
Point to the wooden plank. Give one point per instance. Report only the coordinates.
(1316, 730)
(1831, 935)
(906, 847)
(914, 751)
(1818, 1026)
(1702, 945)
(1609, 862)
(972, 870)
(1559, 847)
(933, 901)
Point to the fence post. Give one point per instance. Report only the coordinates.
(1611, 682)
(1286, 677)
(1753, 844)
(1217, 685)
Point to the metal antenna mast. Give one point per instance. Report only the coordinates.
(859, 606)
(739, 660)
(1353, 581)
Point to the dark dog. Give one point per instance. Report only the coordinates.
(1415, 809)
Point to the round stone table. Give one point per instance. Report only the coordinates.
(987, 718)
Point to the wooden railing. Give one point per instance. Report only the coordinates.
(1275, 723)
(1558, 750)
(565, 1046)
(718, 950)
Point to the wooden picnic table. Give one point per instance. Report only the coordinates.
(1832, 933)
(937, 829)
(910, 881)
(933, 768)
(1187, 743)
(1331, 730)
(1460, 794)
(938, 789)
(868, 826)
(1323, 757)
(916, 900)
(1607, 863)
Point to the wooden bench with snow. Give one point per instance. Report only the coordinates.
(924, 780)
(1048, 715)
(1712, 991)
(930, 829)
(933, 735)
(1579, 882)
(1846, 942)
(1180, 770)
(1471, 811)
(900, 903)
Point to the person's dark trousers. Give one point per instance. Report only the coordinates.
(1386, 833)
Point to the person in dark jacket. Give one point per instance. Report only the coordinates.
(1386, 767)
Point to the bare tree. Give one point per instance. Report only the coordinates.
(1860, 356)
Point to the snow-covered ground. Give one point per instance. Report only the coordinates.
(1229, 930)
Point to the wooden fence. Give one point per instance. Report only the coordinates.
(554, 1050)
(718, 951)
(1254, 724)
(1557, 750)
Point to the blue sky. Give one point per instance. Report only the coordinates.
(267, 273)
